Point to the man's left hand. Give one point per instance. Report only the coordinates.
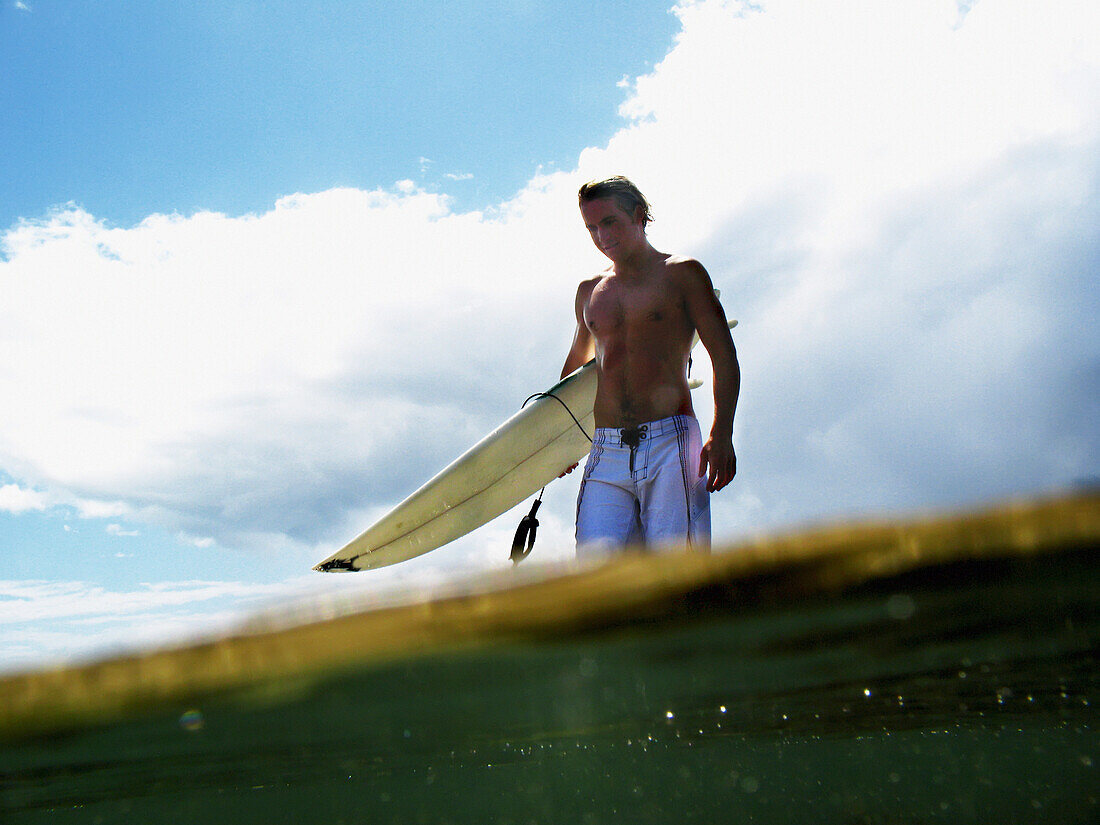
(718, 456)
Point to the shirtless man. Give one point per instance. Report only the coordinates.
(649, 475)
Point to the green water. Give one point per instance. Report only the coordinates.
(964, 694)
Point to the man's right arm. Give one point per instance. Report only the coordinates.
(583, 348)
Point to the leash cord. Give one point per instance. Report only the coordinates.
(551, 395)
(525, 534)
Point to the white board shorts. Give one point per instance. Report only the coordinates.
(649, 495)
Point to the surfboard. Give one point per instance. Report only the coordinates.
(511, 463)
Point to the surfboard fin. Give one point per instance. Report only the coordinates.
(333, 565)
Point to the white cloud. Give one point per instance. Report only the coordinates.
(91, 509)
(64, 621)
(244, 378)
(898, 200)
(16, 499)
(28, 601)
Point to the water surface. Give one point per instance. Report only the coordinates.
(957, 692)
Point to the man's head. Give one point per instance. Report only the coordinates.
(628, 197)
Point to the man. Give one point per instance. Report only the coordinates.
(649, 475)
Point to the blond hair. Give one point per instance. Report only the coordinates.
(622, 190)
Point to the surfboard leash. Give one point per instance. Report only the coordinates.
(525, 533)
(528, 526)
(551, 395)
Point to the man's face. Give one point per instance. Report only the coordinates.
(615, 232)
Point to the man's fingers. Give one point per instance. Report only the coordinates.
(708, 468)
(721, 468)
(721, 474)
(568, 470)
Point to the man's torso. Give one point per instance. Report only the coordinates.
(642, 336)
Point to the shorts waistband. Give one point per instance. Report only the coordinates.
(652, 429)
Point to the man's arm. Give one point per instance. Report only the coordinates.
(583, 348)
(709, 318)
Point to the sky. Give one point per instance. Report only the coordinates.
(266, 268)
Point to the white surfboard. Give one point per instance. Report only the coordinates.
(519, 457)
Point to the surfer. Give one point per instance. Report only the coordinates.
(649, 475)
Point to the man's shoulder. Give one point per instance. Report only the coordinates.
(686, 272)
(683, 264)
(588, 284)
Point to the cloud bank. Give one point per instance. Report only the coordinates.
(899, 202)
(43, 618)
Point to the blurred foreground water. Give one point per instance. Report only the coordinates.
(938, 670)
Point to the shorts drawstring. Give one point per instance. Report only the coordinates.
(632, 437)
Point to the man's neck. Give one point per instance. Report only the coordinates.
(636, 265)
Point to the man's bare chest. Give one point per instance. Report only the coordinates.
(613, 309)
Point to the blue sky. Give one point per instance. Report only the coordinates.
(266, 268)
(130, 108)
